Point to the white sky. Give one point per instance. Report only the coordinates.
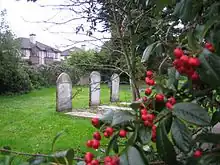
(21, 15)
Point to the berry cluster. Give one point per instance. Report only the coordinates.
(186, 65)
(95, 144)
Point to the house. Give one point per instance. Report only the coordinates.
(37, 52)
(66, 53)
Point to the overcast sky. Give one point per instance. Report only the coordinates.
(22, 17)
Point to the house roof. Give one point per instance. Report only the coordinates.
(25, 43)
(68, 51)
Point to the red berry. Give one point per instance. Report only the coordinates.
(122, 133)
(178, 52)
(148, 91)
(148, 123)
(109, 130)
(149, 74)
(115, 160)
(88, 157)
(107, 159)
(97, 136)
(149, 81)
(154, 134)
(154, 128)
(169, 105)
(195, 76)
(144, 99)
(193, 61)
(189, 71)
(184, 59)
(210, 47)
(95, 144)
(177, 63)
(150, 117)
(143, 111)
(95, 122)
(95, 162)
(159, 97)
(181, 70)
(144, 117)
(89, 143)
(197, 154)
(172, 100)
(106, 134)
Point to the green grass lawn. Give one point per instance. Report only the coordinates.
(29, 122)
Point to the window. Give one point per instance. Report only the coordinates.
(56, 55)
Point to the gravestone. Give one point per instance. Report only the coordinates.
(64, 93)
(95, 79)
(115, 79)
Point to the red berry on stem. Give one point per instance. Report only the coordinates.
(144, 99)
(197, 154)
(193, 61)
(115, 160)
(148, 91)
(149, 74)
(106, 134)
(144, 117)
(178, 52)
(95, 162)
(122, 133)
(95, 122)
(148, 123)
(172, 100)
(150, 117)
(169, 105)
(95, 144)
(143, 111)
(89, 143)
(195, 76)
(154, 128)
(97, 136)
(107, 159)
(210, 47)
(184, 59)
(109, 130)
(88, 157)
(159, 97)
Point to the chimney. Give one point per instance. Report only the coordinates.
(33, 38)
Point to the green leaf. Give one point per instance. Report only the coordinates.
(111, 144)
(209, 24)
(167, 116)
(210, 67)
(181, 135)
(65, 157)
(56, 138)
(212, 158)
(215, 118)
(192, 42)
(172, 81)
(122, 118)
(148, 51)
(131, 156)
(208, 138)
(163, 144)
(144, 134)
(193, 113)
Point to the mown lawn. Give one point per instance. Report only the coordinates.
(29, 122)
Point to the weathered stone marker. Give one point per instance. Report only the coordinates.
(94, 93)
(115, 79)
(64, 93)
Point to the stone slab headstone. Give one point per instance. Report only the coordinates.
(115, 79)
(95, 80)
(64, 93)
